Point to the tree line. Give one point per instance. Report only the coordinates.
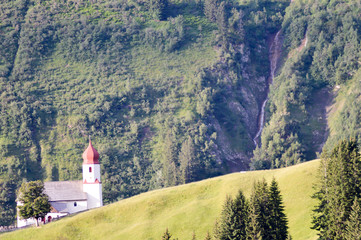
(260, 217)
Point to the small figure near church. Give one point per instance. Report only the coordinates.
(67, 197)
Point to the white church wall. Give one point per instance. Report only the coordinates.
(25, 222)
(54, 215)
(31, 221)
(76, 206)
(94, 192)
(70, 209)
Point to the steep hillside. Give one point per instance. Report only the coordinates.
(345, 113)
(171, 91)
(168, 90)
(321, 52)
(184, 209)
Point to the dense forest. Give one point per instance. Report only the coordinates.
(170, 91)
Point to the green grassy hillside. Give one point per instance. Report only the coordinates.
(184, 209)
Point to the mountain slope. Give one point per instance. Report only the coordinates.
(168, 90)
(321, 51)
(184, 209)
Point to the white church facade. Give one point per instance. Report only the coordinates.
(67, 197)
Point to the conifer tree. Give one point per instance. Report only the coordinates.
(216, 230)
(278, 219)
(170, 160)
(241, 217)
(234, 217)
(253, 231)
(260, 200)
(194, 236)
(208, 236)
(353, 225)
(166, 235)
(339, 184)
(187, 159)
(224, 230)
(158, 8)
(7, 200)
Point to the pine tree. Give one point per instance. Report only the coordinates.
(166, 235)
(217, 230)
(208, 237)
(194, 236)
(222, 20)
(353, 225)
(234, 217)
(7, 200)
(278, 220)
(224, 230)
(241, 217)
(169, 159)
(158, 8)
(253, 231)
(319, 218)
(339, 184)
(261, 203)
(187, 159)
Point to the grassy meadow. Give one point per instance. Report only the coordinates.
(184, 209)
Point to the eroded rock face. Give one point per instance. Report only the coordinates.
(235, 143)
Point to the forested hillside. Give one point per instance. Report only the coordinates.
(314, 98)
(170, 91)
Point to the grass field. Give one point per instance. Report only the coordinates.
(184, 209)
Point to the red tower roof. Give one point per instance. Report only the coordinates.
(90, 155)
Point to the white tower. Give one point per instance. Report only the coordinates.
(91, 177)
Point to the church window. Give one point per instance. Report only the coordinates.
(75, 204)
(90, 169)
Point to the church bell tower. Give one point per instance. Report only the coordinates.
(92, 184)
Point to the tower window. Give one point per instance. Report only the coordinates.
(75, 204)
(90, 169)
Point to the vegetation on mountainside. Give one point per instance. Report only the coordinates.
(186, 209)
(168, 90)
(293, 133)
(163, 88)
(344, 120)
(338, 191)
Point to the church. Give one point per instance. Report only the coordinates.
(67, 197)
